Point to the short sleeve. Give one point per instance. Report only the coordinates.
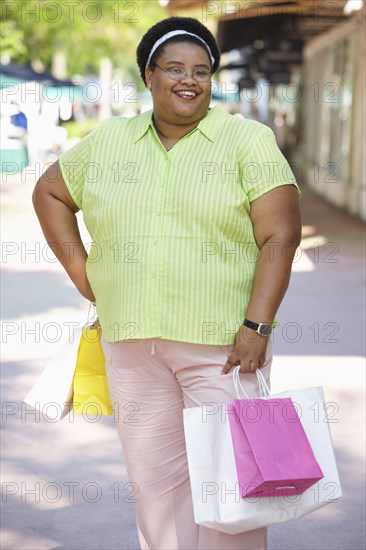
(263, 166)
(73, 164)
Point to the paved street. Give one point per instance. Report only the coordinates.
(64, 484)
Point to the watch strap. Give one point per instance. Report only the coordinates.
(251, 324)
(264, 329)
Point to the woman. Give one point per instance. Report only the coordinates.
(195, 219)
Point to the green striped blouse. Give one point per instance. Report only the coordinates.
(173, 253)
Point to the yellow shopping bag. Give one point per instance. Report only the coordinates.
(91, 393)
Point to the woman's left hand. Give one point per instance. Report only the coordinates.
(249, 351)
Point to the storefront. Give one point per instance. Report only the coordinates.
(334, 115)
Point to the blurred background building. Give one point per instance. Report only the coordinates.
(297, 66)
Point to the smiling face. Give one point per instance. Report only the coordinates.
(185, 101)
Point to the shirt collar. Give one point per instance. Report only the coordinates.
(209, 126)
(143, 122)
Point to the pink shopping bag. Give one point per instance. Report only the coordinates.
(272, 453)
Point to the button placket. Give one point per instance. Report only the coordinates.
(156, 267)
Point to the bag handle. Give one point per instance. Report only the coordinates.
(92, 321)
(237, 383)
(263, 388)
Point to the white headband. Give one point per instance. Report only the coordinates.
(170, 34)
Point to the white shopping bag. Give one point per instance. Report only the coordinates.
(215, 488)
(52, 394)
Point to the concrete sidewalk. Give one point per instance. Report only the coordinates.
(64, 484)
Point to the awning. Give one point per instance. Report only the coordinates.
(54, 89)
(241, 22)
(21, 73)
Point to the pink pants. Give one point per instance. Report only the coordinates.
(152, 381)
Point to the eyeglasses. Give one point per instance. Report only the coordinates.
(178, 74)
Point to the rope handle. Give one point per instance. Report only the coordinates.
(92, 320)
(263, 388)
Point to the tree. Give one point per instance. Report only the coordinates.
(32, 31)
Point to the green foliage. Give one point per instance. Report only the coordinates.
(86, 31)
(11, 39)
(80, 129)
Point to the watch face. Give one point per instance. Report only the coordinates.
(265, 330)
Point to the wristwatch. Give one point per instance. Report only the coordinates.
(264, 329)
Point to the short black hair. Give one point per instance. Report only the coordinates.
(158, 30)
